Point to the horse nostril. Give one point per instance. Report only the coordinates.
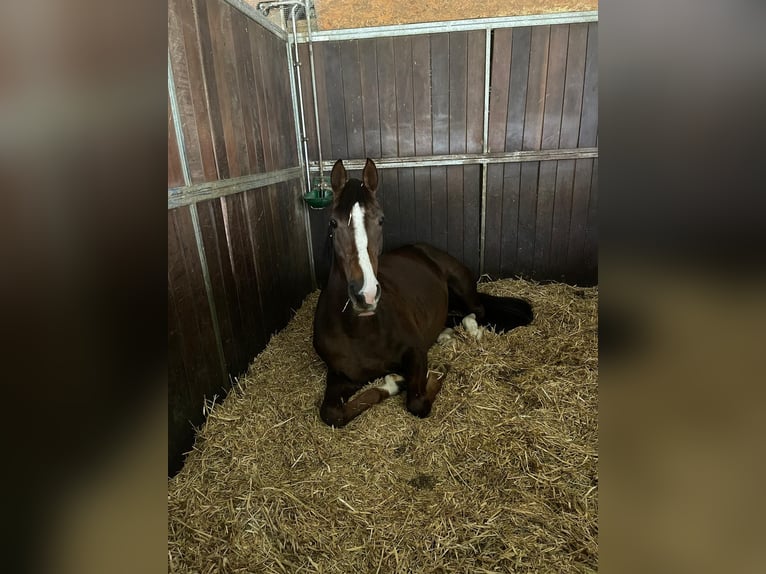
(377, 293)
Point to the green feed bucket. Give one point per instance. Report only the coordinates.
(320, 194)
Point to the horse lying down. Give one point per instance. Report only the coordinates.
(379, 314)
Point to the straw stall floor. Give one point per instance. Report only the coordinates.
(502, 477)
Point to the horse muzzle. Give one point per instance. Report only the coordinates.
(364, 303)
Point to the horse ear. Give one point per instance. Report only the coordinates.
(370, 176)
(338, 178)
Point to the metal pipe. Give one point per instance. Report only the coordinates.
(297, 66)
(314, 94)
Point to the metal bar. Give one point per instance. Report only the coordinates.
(485, 147)
(467, 159)
(253, 13)
(453, 26)
(314, 91)
(295, 80)
(176, 114)
(189, 194)
(300, 138)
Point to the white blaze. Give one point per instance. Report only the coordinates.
(370, 285)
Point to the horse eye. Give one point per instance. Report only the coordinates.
(382, 219)
(333, 223)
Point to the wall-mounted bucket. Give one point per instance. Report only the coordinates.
(320, 195)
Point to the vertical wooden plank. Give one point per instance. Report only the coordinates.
(245, 276)
(384, 48)
(213, 234)
(546, 190)
(247, 93)
(368, 62)
(408, 211)
(259, 104)
(575, 261)
(455, 213)
(335, 101)
(509, 266)
(281, 70)
(272, 69)
(475, 91)
(535, 103)
(322, 100)
(175, 174)
(472, 217)
(211, 88)
(352, 94)
(500, 76)
(228, 95)
(180, 430)
(421, 81)
(268, 264)
(562, 212)
(525, 250)
(388, 195)
(184, 47)
(554, 86)
(573, 89)
(458, 73)
(440, 94)
(517, 91)
(187, 286)
(591, 229)
(493, 229)
(589, 120)
(422, 185)
(405, 123)
(439, 222)
(322, 246)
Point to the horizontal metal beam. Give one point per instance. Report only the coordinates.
(451, 26)
(189, 194)
(254, 14)
(466, 159)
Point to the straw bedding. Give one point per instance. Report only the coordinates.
(502, 477)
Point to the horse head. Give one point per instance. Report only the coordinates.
(356, 227)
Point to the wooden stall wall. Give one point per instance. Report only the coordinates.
(238, 264)
(423, 95)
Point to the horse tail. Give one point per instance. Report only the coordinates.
(505, 313)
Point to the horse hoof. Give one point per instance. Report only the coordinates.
(445, 336)
(419, 407)
(470, 324)
(332, 416)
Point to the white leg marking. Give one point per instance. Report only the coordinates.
(370, 286)
(445, 336)
(470, 324)
(391, 384)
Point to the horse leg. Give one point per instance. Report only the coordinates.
(422, 386)
(338, 411)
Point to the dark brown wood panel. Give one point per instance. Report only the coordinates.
(591, 227)
(562, 214)
(525, 245)
(218, 257)
(335, 102)
(407, 206)
(251, 120)
(475, 91)
(589, 121)
(189, 80)
(405, 123)
(439, 223)
(422, 184)
(421, 81)
(352, 93)
(368, 62)
(538, 76)
(554, 86)
(573, 90)
(440, 93)
(384, 48)
(509, 243)
(472, 217)
(493, 229)
(575, 259)
(500, 73)
(458, 80)
(546, 191)
(517, 92)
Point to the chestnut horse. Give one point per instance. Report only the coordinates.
(379, 314)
